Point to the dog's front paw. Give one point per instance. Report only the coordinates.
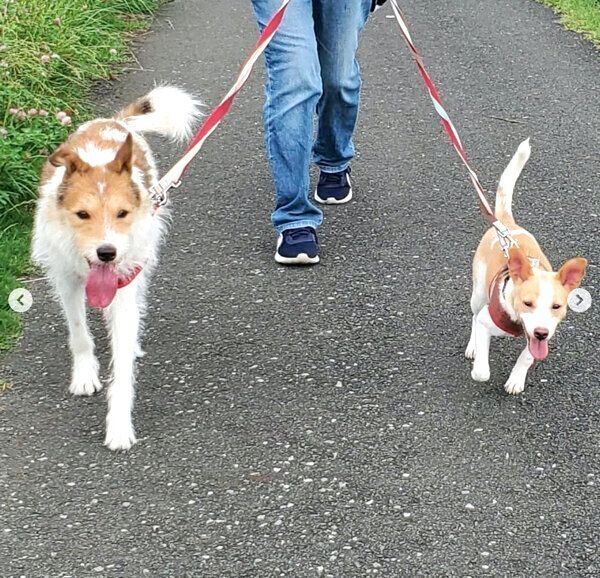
(85, 380)
(480, 373)
(515, 385)
(119, 434)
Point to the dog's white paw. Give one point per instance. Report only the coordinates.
(470, 351)
(480, 373)
(515, 385)
(119, 434)
(84, 380)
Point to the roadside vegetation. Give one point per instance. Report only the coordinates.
(580, 15)
(50, 53)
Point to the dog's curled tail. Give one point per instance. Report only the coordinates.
(504, 196)
(166, 110)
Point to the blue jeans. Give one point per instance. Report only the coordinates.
(311, 68)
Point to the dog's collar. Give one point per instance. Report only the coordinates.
(499, 315)
(124, 281)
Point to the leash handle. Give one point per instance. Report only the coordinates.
(504, 236)
(172, 179)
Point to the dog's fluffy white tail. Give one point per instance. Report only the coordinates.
(166, 110)
(504, 196)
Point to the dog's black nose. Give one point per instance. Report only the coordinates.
(106, 253)
(540, 333)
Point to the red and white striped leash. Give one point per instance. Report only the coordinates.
(504, 236)
(172, 179)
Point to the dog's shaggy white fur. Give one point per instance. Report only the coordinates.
(95, 226)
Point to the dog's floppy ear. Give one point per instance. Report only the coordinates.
(66, 157)
(519, 267)
(572, 272)
(124, 158)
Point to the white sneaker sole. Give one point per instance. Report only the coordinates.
(302, 259)
(332, 200)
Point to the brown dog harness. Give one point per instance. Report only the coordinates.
(499, 316)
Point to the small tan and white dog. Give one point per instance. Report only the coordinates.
(518, 295)
(97, 236)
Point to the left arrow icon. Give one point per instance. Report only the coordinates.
(20, 300)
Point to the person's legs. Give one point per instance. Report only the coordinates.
(338, 24)
(292, 92)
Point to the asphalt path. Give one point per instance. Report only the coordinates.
(322, 422)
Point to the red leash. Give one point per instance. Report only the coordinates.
(172, 178)
(506, 240)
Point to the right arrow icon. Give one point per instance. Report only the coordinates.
(579, 300)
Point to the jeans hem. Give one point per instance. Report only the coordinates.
(337, 169)
(297, 225)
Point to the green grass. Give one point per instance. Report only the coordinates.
(14, 246)
(50, 53)
(580, 15)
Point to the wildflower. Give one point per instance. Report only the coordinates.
(45, 58)
(61, 114)
(21, 114)
(65, 121)
(43, 112)
(113, 51)
(32, 112)
(13, 111)
(3, 47)
(57, 21)
(3, 132)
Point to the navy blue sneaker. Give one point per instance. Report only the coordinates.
(298, 247)
(334, 188)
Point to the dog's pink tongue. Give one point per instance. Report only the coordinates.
(101, 286)
(539, 349)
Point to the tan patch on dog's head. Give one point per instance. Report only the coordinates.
(540, 297)
(95, 200)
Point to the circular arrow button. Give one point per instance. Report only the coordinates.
(579, 300)
(20, 300)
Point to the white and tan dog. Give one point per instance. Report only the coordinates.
(97, 236)
(518, 295)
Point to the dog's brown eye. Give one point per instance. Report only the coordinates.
(122, 214)
(83, 214)
(527, 303)
(556, 306)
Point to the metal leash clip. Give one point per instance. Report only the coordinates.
(159, 193)
(504, 237)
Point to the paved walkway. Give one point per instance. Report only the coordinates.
(323, 421)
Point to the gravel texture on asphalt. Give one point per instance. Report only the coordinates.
(322, 422)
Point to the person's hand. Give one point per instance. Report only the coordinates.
(376, 4)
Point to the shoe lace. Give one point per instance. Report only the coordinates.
(301, 234)
(336, 178)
